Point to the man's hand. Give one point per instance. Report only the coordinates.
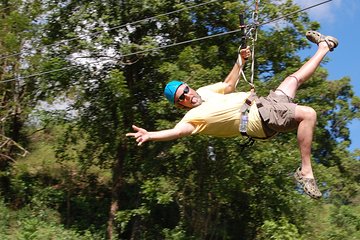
(141, 135)
(245, 53)
(180, 130)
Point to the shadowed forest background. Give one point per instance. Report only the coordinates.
(74, 77)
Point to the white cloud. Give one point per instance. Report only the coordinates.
(324, 13)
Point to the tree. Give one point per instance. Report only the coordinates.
(18, 34)
(173, 189)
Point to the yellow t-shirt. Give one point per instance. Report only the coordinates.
(219, 114)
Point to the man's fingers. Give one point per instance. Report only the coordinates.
(246, 53)
(138, 134)
(140, 141)
(136, 128)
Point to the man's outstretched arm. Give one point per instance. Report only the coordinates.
(180, 130)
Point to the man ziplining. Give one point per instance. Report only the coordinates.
(217, 110)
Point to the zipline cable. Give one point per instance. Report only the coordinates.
(252, 34)
(117, 27)
(166, 46)
(292, 13)
(124, 55)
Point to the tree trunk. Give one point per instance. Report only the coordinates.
(115, 191)
(113, 209)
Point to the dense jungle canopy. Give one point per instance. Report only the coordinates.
(74, 77)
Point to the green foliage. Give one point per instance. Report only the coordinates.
(345, 222)
(81, 168)
(159, 190)
(5, 220)
(30, 224)
(175, 234)
(278, 230)
(123, 217)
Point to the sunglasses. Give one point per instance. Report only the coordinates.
(182, 96)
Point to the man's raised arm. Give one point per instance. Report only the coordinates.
(233, 77)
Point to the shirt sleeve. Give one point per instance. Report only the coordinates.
(216, 87)
(195, 118)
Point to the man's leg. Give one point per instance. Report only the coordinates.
(305, 116)
(290, 85)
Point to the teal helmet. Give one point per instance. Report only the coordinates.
(170, 90)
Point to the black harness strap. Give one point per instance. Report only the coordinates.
(244, 118)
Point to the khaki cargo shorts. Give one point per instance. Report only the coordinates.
(278, 112)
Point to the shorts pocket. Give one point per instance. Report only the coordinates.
(281, 119)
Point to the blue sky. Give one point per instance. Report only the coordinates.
(341, 19)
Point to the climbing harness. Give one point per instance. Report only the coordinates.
(248, 32)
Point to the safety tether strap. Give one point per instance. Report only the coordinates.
(250, 32)
(248, 102)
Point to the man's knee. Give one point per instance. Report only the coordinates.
(305, 113)
(297, 78)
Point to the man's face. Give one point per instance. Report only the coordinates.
(187, 97)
